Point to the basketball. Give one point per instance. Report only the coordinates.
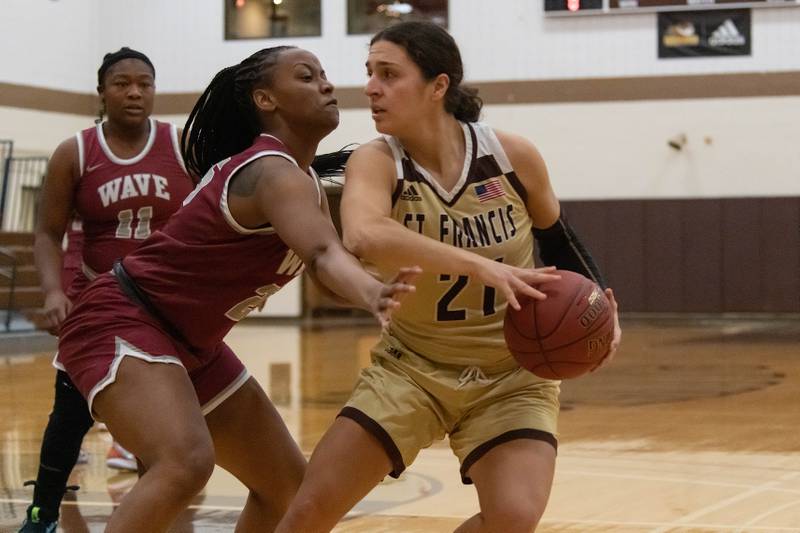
(565, 335)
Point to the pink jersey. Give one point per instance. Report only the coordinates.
(122, 201)
(203, 271)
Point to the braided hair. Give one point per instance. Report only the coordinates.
(224, 120)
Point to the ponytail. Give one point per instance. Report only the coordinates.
(331, 164)
(464, 103)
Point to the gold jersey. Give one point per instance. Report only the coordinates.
(453, 319)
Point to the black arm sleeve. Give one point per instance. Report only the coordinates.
(560, 247)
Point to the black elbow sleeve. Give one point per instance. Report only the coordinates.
(560, 247)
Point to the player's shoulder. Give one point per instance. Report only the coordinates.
(67, 150)
(514, 143)
(270, 164)
(520, 150)
(376, 148)
(375, 154)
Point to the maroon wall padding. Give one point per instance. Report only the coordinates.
(696, 255)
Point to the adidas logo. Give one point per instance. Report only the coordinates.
(727, 34)
(411, 194)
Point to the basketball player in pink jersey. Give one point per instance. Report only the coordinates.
(144, 344)
(123, 178)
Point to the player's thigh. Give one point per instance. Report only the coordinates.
(513, 481)
(253, 443)
(388, 404)
(151, 409)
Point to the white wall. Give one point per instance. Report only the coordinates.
(50, 43)
(599, 150)
(500, 40)
(594, 150)
(619, 149)
(60, 43)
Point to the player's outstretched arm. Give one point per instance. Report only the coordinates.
(273, 190)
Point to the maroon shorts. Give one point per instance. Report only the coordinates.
(104, 327)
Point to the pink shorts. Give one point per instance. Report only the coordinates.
(104, 327)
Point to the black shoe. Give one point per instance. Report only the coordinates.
(35, 524)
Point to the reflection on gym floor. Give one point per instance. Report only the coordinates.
(693, 428)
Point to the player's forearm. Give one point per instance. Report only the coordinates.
(48, 257)
(342, 274)
(559, 246)
(387, 243)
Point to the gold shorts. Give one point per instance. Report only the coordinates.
(407, 402)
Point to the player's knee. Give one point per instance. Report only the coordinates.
(302, 514)
(188, 471)
(278, 493)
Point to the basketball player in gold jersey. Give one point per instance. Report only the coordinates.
(464, 202)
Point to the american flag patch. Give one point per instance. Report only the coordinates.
(490, 189)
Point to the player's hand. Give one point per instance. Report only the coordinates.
(393, 292)
(615, 341)
(514, 282)
(56, 308)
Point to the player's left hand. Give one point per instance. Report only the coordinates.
(612, 351)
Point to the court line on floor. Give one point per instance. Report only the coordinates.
(714, 527)
(689, 481)
(765, 514)
(112, 504)
(551, 521)
(764, 487)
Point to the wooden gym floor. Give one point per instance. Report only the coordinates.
(694, 428)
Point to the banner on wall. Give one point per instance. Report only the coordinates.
(704, 33)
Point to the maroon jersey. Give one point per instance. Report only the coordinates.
(122, 201)
(203, 271)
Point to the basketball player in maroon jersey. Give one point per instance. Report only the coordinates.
(123, 178)
(144, 344)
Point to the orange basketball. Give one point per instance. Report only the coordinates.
(565, 335)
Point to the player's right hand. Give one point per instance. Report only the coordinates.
(56, 308)
(393, 292)
(514, 282)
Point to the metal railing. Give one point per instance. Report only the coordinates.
(20, 182)
(21, 185)
(8, 269)
(6, 153)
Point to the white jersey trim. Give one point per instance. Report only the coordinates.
(444, 194)
(57, 364)
(226, 393)
(125, 349)
(81, 156)
(397, 153)
(151, 139)
(223, 201)
(490, 145)
(173, 133)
